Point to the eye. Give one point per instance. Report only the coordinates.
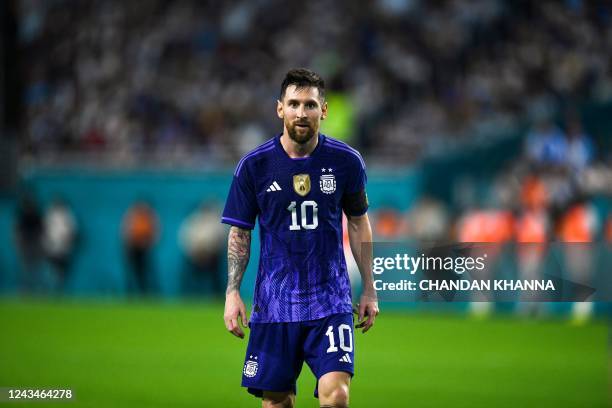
(293, 104)
(311, 105)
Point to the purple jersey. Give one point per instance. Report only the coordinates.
(302, 272)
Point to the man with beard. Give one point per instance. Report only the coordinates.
(298, 184)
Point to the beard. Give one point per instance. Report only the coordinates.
(300, 135)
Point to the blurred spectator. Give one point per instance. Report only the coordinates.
(491, 228)
(580, 149)
(532, 231)
(388, 224)
(429, 226)
(28, 240)
(60, 233)
(577, 228)
(546, 145)
(578, 224)
(533, 223)
(140, 229)
(202, 239)
(534, 195)
(429, 221)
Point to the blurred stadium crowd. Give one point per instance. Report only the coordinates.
(196, 81)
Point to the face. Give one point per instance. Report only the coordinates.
(301, 111)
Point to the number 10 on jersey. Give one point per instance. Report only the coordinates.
(304, 210)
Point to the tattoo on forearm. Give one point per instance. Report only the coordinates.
(238, 253)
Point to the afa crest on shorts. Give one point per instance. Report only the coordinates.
(327, 182)
(250, 367)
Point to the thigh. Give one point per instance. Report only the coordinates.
(330, 346)
(273, 359)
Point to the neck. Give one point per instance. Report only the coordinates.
(296, 150)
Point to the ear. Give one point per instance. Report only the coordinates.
(324, 111)
(279, 109)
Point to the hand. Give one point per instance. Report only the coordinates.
(235, 313)
(367, 307)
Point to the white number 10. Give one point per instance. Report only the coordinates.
(305, 224)
(332, 342)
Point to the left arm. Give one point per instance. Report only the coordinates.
(360, 238)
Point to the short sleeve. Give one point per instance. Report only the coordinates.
(357, 176)
(241, 206)
(354, 198)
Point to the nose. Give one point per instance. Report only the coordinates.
(301, 112)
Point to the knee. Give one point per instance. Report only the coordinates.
(337, 397)
(277, 404)
(278, 400)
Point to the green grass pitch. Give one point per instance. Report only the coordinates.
(155, 354)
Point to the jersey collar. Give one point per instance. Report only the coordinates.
(313, 154)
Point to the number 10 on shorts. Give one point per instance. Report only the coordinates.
(344, 334)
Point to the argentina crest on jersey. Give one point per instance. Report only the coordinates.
(327, 182)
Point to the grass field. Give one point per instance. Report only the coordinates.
(179, 355)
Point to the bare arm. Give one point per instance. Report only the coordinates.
(238, 253)
(360, 238)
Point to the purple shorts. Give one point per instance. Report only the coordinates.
(277, 351)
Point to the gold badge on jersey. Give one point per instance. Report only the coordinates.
(301, 184)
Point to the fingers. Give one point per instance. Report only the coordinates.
(233, 320)
(361, 315)
(362, 310)
(370, 322)
(238, 332)
(234, 328)
(371, 312)
(243, 315)
(235, 315)
(363, 323)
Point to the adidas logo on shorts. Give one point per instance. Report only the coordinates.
(346, 358)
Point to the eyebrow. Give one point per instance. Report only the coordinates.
(305, 102)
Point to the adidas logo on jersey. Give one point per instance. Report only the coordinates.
(274, 187)
(346, 358)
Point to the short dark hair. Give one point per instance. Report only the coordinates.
(303, 78)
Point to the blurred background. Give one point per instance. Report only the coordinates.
(480, 121)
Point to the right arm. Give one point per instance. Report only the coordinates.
(238, 253)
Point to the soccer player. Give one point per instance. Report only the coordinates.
(298, 184)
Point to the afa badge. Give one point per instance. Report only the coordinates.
(250, 368)
(327, 182)
(301, 184)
